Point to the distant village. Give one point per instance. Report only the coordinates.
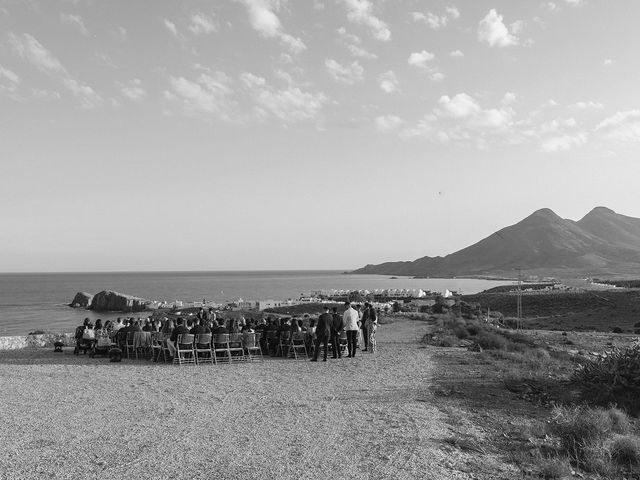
(382, 299)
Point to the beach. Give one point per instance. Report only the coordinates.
(373, 416)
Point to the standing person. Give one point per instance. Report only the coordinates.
(323, 332)
(364, 321)
(350, 321)
(337, 326)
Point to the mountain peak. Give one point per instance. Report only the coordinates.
(600, 211)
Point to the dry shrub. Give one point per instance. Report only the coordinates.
(491, 341)
(556, 469)
(625, 450)
(580, 428)
(619, 421)
(449, 341)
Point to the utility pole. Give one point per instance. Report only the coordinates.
(519, 304)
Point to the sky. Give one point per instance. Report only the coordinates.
(316, 134)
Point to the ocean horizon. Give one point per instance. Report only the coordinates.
(39, 301)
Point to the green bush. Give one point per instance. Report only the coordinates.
(617, 330)
(613, 378)
(626, 450)
(489, 340)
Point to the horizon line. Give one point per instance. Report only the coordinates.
(180, 271)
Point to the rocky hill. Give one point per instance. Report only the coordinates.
(601, 243)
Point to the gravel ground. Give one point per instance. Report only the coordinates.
(373, 416)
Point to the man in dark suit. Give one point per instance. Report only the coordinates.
(179, 330)
(337, 326)
(323, 333)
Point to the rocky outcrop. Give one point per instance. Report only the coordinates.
(36, 341)
(110, 301)
(81, 300)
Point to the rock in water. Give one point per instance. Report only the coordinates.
(81, 300)
(110, 301)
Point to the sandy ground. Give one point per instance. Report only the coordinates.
(374, 416)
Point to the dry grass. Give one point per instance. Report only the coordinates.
(370, 417)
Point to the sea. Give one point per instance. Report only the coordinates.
(39, 301)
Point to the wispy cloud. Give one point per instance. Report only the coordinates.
(493, 31)
(75, 21)
(436, 21)
(169, 25)
(32, 51)
(388, 82)
(424, 61)
(354, 45)
(387, 123)
(290, 104)
(347, 74)
(360, 12)
(264, 20)
(133, 89)
(211, 94)
(200, 24)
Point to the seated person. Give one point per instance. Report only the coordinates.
(181, 329)
(198, 328)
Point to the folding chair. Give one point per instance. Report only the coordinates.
(221, 345)
(297, 346)
(130, 345)
(157, 341)
(185, 353)
(235, 347)
(283, 345)
(251, 344)
(202, 349)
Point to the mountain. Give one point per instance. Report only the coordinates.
(602, 242)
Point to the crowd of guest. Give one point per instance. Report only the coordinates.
(359, 322)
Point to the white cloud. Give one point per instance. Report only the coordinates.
(29, 49)
(509, 98)
(347, 74)
(171, 27)
(423, 60)
(387, 123)
(493, 31)
(32, 51)
(622, 126)
(133, 89)
(119, 34)
(201, 24)
(289, 104)
(575, 3)
(388, 82)
(360, 12)
(9, 82)
(264, 20)
(75, 21)
(456, 54)
(551, 6)
(589, 104)
(563, 142)
(420, 59)
(87, 95)
(436, 21)
(210, 94)
(607, 61)
(9, 75)
(354, 45)
(462, 119)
